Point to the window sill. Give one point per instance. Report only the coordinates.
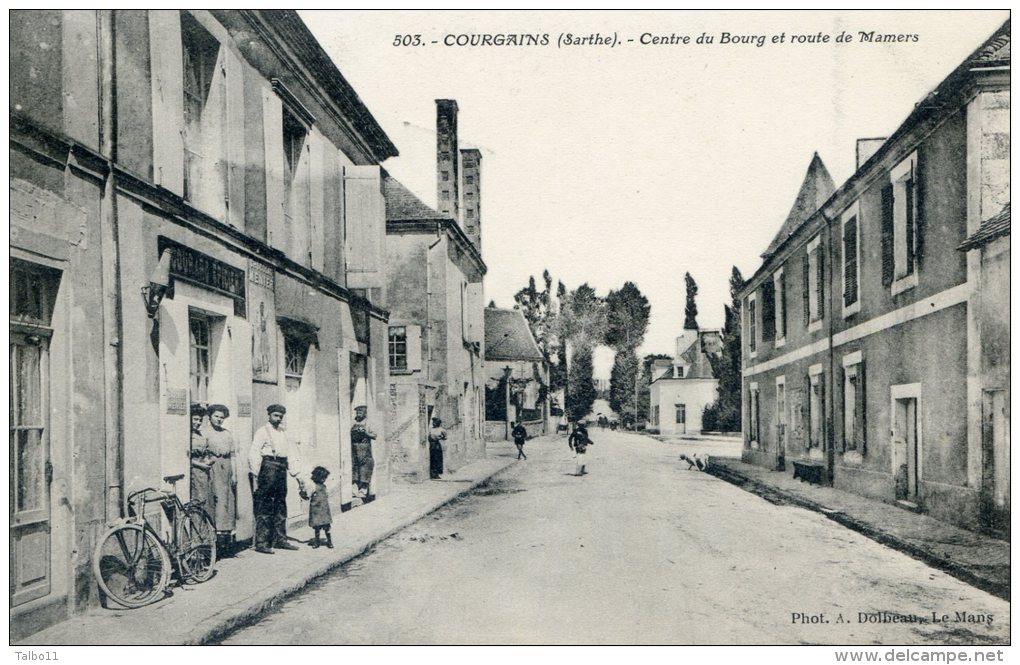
(815, 326)
(853, 458)
(815, 454)
(401, 372)
(852, 308)
(904, 283)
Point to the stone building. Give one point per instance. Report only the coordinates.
(516, 376)
(435, 299)
(680, 389)
(874, 350)
(196, 216)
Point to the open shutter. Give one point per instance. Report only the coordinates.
(316, 190)
(862, 412)
(887, 235)
(850, 262)
(820, 291)
(235, 139)
(167, 62)
(782, 301)
(365, 220)
(768, 311)
(272, 123)
(413, 347)
(916, 205)
(807, 289)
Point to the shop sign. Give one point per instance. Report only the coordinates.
(207, 272)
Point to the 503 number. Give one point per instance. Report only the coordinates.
(407, 40)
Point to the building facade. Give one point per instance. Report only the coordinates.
(196, 217)
(681, 388)
(435, 298)
(516, 376)
(869, 346)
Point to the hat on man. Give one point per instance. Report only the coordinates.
(276, 408)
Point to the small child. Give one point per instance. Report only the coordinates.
(319, 517)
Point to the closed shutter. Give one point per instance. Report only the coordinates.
(316, 190)
(888, 221)
(167, 62)
(413, 347)
(862, 411)
(910, 237)
(850, 262)
(807, 289)
(235, 139)
(820, 290)
(782, 303)
(272, 124)
(365, 219)
(917, 204)
(768, 312)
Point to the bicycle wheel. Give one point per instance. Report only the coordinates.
(196, 540)
(131, 566)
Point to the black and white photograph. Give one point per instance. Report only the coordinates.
(498, 328)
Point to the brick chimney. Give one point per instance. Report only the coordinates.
(448, 180)
(471, 161)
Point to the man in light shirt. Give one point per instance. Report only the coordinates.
(272, 457)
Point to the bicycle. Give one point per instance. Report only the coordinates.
(132, 562)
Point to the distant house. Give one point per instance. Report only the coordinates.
(516, 375)
(682, 387)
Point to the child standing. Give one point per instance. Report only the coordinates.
(319, 517)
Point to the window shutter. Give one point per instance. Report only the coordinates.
(918, 202)
(167, 71)
(272, 124)
(365, 219)
(782, 301)
(850, 259)
(768, 311)
(235, 140)
(862, 412)
(316, 189)
(820, 291)
(413, 347)
(887, 235)
(844, 381)
(807, 290)
(910, 236)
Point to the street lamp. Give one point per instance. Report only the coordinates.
(159, 284)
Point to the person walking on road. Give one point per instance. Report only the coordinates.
(436, 437)
(520, 436)
(579, 442)
(272, 457)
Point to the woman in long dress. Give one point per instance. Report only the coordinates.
(201, 488)
(222, 477)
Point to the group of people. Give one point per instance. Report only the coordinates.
(578, 441)
(272, 457)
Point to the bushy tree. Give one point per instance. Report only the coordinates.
(622, 398)
(727, 367)
(627, 315)
(581, 391)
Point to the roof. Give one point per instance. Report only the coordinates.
(815, 190)
(402, 204)
(508, 337)
(990, 229)
(311, 54)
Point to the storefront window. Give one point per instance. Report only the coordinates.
(199, 358)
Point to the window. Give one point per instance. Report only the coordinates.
(853, 403)
(752, 325)
(203, 136)
(445, 176)
(816, 402)
(681, 414)
(901, 237)
(851, 258)
(470, 213)
(446, 195)
(752, 420)
(781, 413)
(294, 134)
(199, 342)
(398, 348)
(814, 281)
(444, 155)
(295, 354)
(779, 287)
(469, 179)
(469, 195)
(655, 415)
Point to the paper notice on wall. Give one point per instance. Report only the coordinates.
(262, 316)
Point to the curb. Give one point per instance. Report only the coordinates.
(234, 619)
(769, 493)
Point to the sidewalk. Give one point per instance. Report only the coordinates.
(250, 583)
(978, 560)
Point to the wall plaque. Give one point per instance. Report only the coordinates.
(244, 407)
(177, 401)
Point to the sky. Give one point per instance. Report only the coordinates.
(606, 164)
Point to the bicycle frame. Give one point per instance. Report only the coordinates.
(171, 507)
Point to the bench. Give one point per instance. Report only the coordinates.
(810, 471)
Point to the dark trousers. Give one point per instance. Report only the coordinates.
(435, 459)
(270, 503)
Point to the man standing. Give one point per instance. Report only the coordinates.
(520, 436)
(361, 451)
(579, 442)
(272, 456)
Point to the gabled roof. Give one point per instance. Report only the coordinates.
(508, 337)
(403, 205)
(815, 190)
(990, 229)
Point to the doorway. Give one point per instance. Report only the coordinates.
(995, 500)
(906, 442)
